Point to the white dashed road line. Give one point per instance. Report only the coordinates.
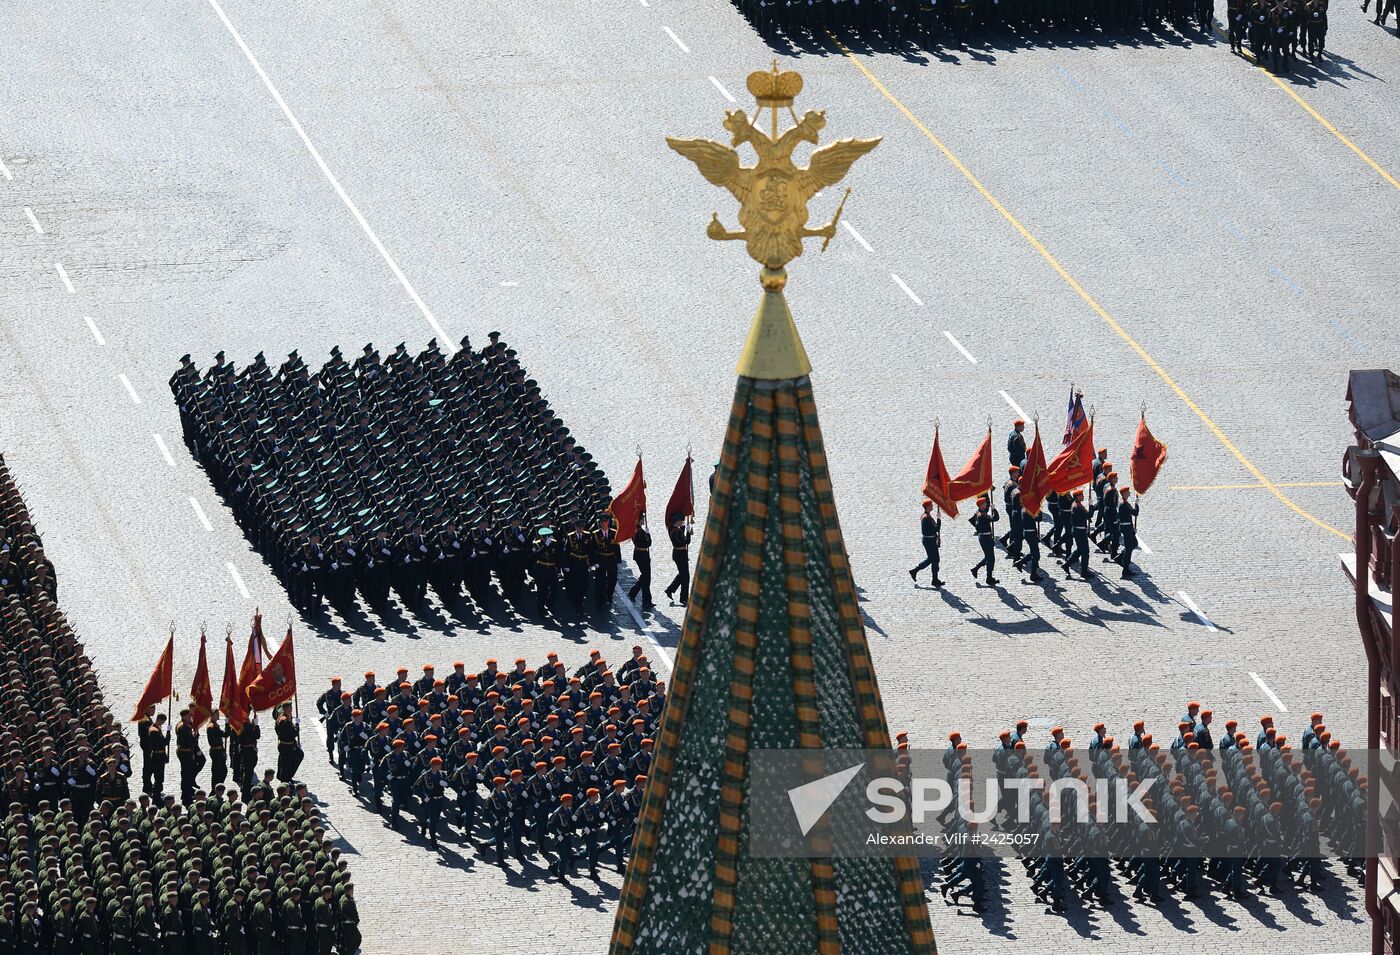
(199, 513)
(958, 345)
(92, 327)
(448, 343)
(621, 595)
(509, 284)
(63, 274)
(164, 451)
(857, 236)
(1014, 406)
(5, 171)
(1143, 547)
(722, 91)
(126, 383)
(1200, 615)
(907, 290)
(33, 221)
(1273, 697)
(672, 34)
(237, 579)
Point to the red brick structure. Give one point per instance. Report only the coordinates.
(1371, 469)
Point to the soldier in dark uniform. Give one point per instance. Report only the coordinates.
(354, 741)
(291, 926)
(931, 533)
(265, 927)
(204, 932)
(1079, 531)
(326, 703)
(432, 793)
(561, 832)
(578, 557)
(233, 923)
(349, 918)
(621, 820)
(143, 727)
(191, 757)
(641, 556)
(158, 752)
(607, 555)
(1016, 443)
(399, 768)
(1127, 531)
(546, 568)
(467, 780)
(289, 751)
(1015, 513)
(217, 738)
(248, 738)
(324, 918)
(680, 534)
(983, 523)
(1030, 531)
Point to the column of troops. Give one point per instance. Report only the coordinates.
(1275, 29)
(545, 760)
(397, 474)
(1229, 815)
(84, 869)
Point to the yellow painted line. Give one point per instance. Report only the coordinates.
(1247, 487)
(1322, 120)
(1088, 299)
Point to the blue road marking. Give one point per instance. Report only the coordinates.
(1283, 276)
(1070, 77)
(1176, 177)
(1122, 126)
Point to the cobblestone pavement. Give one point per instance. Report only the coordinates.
(508, 158)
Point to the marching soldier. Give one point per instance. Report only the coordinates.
(217, 738)
(432, 792)
(561, 831)
(546, 568)
(984, 526)
(354, 743)
(931, 534)
(289, 751)
(1079, 532)
(1016, 444)
(1127, 531)
(641, 555)
(680, 535)
(158, 752)
(607, 555)
(326, 704)
(248, 738)
(191, 757)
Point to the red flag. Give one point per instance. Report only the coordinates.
(976, 476)
(231, 701)
(1035, 483)
(277, 683)
(159, 686)
(201, 692)
(1074, 466)
(936, 481)
(252, 658)
(629, 506)
(1149, 455)
(682, 502)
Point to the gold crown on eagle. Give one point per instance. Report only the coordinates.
(772, 88)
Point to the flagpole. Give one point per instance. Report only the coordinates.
(170, 700)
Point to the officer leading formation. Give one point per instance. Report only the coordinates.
(533, 760)
(399, 474)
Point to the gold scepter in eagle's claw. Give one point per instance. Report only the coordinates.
(836, 218)
(773, 193)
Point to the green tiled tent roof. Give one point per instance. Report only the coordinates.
(773, 656)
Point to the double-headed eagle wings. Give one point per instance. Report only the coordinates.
(720, 165)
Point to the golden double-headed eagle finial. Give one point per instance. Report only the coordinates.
(773, 194)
